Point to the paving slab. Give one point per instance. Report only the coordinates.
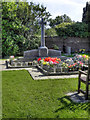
(35, 72)
(37, 75)
(77, 98)
(3, 67)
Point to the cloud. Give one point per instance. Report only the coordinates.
(68, 2)
(73, 8)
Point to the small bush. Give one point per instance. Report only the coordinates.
(55, 47)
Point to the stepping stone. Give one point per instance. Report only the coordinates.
(77, 98)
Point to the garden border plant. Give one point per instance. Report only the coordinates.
(52, 66)
(55, 66)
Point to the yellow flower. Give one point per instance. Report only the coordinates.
(44, 63)
(83, 49)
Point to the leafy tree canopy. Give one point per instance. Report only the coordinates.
(59, 20)
(50, 32)
(73, 29)
(20, 22)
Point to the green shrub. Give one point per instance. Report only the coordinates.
(55, 47)
(50, 32)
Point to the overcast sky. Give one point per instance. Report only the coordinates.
(72, 8)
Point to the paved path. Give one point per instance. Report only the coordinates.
(36, 74)
(3, 67)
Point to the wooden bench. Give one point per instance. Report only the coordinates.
(84, 79)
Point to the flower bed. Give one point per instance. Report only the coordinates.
(56, 65)
(16, 63)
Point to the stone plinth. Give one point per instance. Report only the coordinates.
(43, 51)
(53, 53)
(31, 53)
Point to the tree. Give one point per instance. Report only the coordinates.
(59, 20)
(20, 25)
(50, 32)
(73, 29)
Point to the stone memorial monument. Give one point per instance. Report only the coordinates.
(42, 51)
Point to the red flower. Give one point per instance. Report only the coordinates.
(57, 62)
(59, 59)
(47, 59)
(53, 59)
(70, 66)
(39, 59)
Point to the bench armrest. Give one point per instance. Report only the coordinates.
(82, 72)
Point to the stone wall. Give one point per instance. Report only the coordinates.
(75, 43)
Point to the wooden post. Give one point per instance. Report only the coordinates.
(6, 64)
(79, 82)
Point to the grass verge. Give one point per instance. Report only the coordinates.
(24, 97)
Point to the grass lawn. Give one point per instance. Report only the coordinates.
(72, 55)
(85, 54)
(24, 97)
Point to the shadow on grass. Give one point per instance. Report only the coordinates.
(67, 103)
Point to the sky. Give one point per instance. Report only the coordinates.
(72, 8)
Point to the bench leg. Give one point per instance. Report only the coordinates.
(86, 95)
(6, 64)
(79, 84)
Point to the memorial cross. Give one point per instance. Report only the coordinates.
(42, 33)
